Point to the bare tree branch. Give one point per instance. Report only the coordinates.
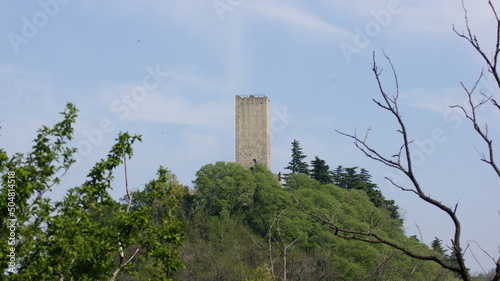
(283, 246)
(390, 103)
(470, 114)
(371, 237)
(492, 64)
(120, 246)
(271, 260)
(129, 194)
(471, 38)
(115, 273)
(402, 161)
(400, 187)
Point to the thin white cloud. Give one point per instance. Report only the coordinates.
(299, 19)
(174, 109)
(199, 144)
(438, 17)
(183, 78)
(437, 101)
(419, 21)
(21, 93)
(184, 98)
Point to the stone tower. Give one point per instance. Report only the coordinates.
(253, 133)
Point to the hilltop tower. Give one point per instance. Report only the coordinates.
(253, 133)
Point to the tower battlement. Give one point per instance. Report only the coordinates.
(253, 133)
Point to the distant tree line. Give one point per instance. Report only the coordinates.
(348, 178)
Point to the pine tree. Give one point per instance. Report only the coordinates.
(349, 178)
(297, 165)
(438, 247)
(321, 171)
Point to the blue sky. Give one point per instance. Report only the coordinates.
(169, 70)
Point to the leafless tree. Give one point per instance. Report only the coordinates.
(124, 262)
(470, 111)
(270, 240)
(282, 245)
(402, 160)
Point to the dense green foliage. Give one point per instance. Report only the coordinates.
(87, 235)
(349, 178)
(243, 225)
(238, 224)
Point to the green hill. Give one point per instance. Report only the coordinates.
(241, 224)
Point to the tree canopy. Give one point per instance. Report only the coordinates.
(321, 171)
(237, 224)
(87, 235)
(282, 242)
